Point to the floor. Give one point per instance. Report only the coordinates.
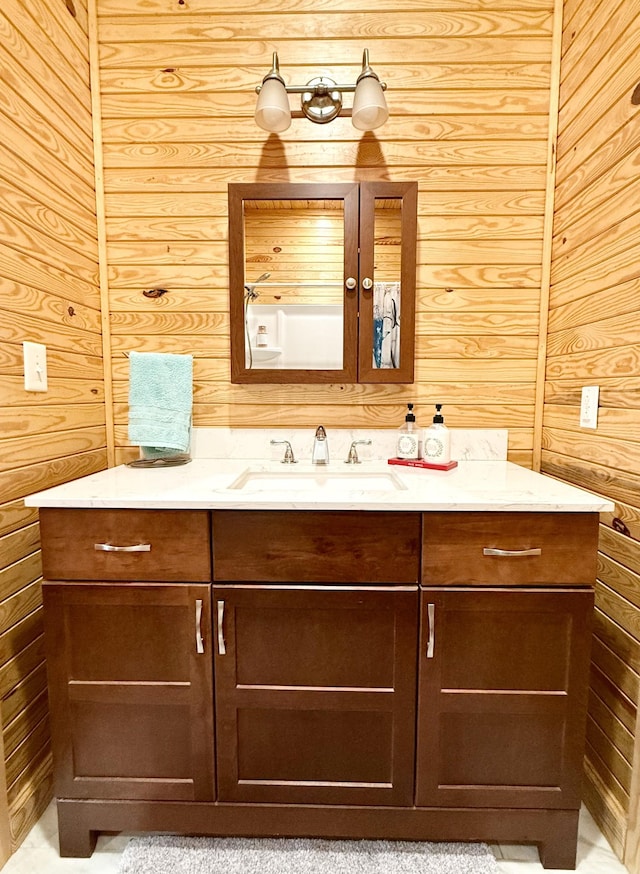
(39, 853)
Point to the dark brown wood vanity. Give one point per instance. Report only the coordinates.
(334, 674)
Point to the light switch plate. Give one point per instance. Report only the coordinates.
(589, 406)
(35, 366)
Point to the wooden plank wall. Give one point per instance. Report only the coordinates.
(299, 231)
(312, 245)
(48, 294)
(468, 94)
(594, 339)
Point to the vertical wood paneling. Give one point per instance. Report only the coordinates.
(468, 95)
(48, 294)
(594, 326)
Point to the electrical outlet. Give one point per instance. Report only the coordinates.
(35, 366)
(589, 406)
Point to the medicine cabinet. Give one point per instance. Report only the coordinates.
(322, 282)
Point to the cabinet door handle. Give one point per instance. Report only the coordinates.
(489, 550)
(110, 547)
(199, 640)
(222, 648)
(431, 642)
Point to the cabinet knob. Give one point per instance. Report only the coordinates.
(351, 283)
(367, 283)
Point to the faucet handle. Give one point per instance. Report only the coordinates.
(288, 453)
(352, 458)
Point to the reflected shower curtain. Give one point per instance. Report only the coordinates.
(386, 324)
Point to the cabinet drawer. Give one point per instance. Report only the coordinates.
(316, 547)
(509, 549)
(145, 545)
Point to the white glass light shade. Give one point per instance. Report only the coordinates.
(369, 106)
(273, 112)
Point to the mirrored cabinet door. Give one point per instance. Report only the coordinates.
(386, 330)
(298, 282)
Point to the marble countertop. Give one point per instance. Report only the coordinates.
(246, 484)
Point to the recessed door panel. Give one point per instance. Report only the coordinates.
(315, 694)
(502, 697)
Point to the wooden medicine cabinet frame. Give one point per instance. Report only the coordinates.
(361, 203)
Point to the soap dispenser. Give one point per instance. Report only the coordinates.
(408, 445)
(320, 451)
(436, 443)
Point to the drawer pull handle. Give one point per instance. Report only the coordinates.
(488, 550)
(431, 613)
(199, 640)
(110, 547)
(222, 648)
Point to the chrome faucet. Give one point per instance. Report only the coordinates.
(352, 457)
(320, 453)
(288, 453)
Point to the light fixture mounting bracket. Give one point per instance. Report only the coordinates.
(322, 102)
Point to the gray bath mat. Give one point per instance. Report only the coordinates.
(170, 854)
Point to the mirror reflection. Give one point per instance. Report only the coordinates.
(294, 286)
(322, 282)
(386, 283)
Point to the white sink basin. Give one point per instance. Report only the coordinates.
(312, 481)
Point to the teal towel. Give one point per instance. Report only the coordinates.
(160, 400)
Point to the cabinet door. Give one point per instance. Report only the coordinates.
(305, 237)
(130, 689)
(502, 697)
(386, 331)
(315, 695)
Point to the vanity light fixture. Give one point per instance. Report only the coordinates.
(321, 99)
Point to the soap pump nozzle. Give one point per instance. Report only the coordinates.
(320, 452)
(438, 419)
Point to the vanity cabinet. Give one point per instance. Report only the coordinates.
(406, 675)
(329, 271)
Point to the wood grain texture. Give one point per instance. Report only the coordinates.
(470, 125)
(609, 652)
(593, 341)
(209, 7)
(612, 728)
(604, 808)
(619, 704)
(304, 546)
(48, 274)
(178, 127)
